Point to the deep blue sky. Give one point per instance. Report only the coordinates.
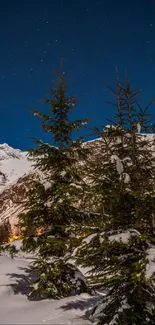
(93, 37)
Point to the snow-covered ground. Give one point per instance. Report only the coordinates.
(15, 308)
(15, 278)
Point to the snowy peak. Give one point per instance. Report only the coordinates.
(7, 152)
(14, 164)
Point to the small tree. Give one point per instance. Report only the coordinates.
(52, 206)
(123, 182)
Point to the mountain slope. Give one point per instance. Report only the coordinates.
(13, 164)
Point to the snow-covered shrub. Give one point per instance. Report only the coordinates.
(57, 280)
(130, 281)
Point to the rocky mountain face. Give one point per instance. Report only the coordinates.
(16, 176)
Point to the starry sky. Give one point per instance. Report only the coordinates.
(92, 37)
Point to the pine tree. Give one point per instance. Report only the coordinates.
(52, 205)
(118, 250)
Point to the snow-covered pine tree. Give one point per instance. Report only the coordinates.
(52, 206)
(119, 250)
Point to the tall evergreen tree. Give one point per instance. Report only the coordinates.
(52, 206)
(123, 182)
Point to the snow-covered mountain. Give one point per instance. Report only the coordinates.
(16, 173)
(13, 164)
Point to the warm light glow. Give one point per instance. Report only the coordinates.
(14, 237)
(38, 232)
(82, 234)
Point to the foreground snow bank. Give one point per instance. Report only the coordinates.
(15, 308)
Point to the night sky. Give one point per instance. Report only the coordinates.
(92, 37)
